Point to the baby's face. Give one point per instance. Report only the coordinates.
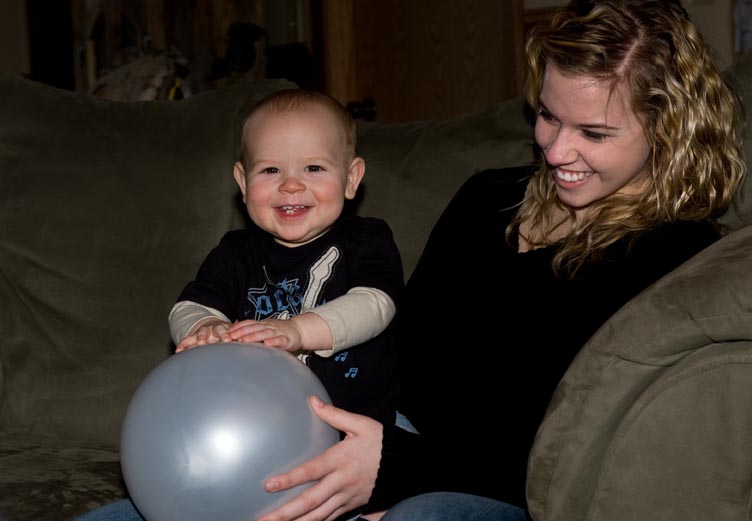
(298, 175)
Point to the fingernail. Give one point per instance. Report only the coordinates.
(316, 401)
(272, 486)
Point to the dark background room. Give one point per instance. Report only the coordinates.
(387, 60)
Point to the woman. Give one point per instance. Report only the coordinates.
(640, 150)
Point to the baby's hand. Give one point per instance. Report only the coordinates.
(209, 333)
(284, 334)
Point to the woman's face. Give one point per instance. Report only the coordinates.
(591, 138)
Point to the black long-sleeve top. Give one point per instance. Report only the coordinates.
(485, 334)
(249, 275)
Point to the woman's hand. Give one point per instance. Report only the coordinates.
(346, 472)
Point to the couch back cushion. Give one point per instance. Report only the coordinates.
(106, 210)
(414, 169)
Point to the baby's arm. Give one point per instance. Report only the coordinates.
(193, 324)
(357, 316)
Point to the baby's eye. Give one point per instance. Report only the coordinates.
(270, 170)
(314, 168)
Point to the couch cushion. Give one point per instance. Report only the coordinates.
(414, 169)
(106, 211)
(45, 479)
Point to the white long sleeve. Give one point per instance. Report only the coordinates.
(357, 316)
(186, 315)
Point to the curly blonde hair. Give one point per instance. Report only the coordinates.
(692, 119)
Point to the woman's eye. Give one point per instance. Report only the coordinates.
(545, 115)
(593, 136)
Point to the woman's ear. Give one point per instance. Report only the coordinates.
(239, 173)
(354, 176)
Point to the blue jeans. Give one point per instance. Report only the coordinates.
(123, 510)
(453, 506)
(434, 506)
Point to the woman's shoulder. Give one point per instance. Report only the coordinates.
(496, 188)
(680, 234)
(501, 178)
(668, 245)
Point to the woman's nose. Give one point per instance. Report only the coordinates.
(560, 148)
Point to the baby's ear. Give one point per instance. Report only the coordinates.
(239, 173)
(354, 176)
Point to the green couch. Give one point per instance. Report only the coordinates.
(107, 209)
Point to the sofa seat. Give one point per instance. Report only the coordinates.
(46, 479)
(106, 211)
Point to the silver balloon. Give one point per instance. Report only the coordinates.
(208, 426)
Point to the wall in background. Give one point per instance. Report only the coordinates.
(14, 40)
(716, 22)
(713, 17)
(403, 60)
